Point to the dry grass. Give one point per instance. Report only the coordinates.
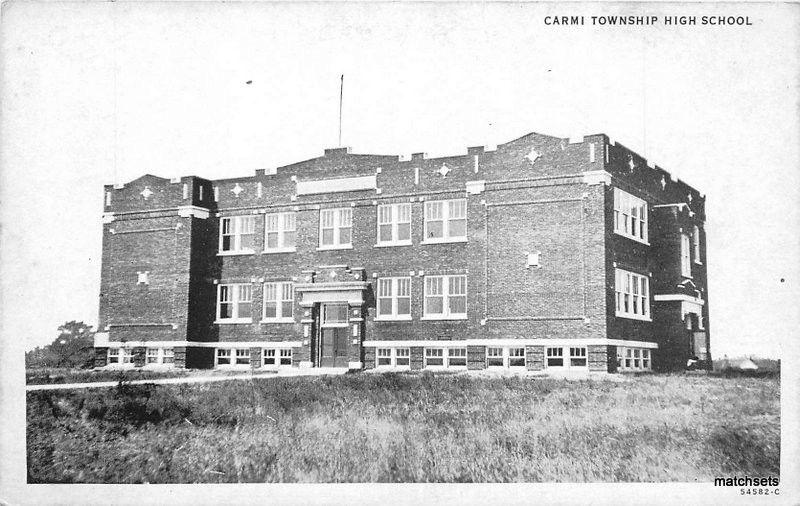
(408, 428)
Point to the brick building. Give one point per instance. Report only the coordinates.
(544, 254)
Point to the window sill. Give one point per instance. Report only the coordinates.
(444, 241)
(437, 318)
(392, 367)
(233, 321)
(393, 318)
(634, 317)
(279, 250)
(277, 320)
(698, 262)
(632, 238)
(235, 253)
(329, 248)
(391, 244)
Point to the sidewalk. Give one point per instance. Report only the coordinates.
(317, 371)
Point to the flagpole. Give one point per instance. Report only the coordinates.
(341, 93)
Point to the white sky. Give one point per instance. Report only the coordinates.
(100, 92)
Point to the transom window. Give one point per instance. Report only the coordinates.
(394, 224)
(278, 301)
(334, 315)
(686, 263)
(630, 216)
(234, 303)
(393, 357)
(445, 297)
(566, 357)
(237, 234)
(279, 232)
(634, 359)
(505, 357)
(445, 220)
(632, 295)
(336, 228)
(394, 298)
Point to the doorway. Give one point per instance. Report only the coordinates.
(332, 322)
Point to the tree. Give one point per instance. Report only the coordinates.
(74, 347)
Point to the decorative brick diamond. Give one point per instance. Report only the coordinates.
(237, 189)
(532, 156)
(444, 170)
(146, 192)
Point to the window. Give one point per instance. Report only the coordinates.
(243, 356)
(445, 297)
(577, 357)
(434, 357)
(457, 357)
(634, 359)
(169, 356)
(153, 356)
(334, 315)
(393, 357)
(630, 216)
(277, 357)
(505, 357)
(394, 298)
(113, 355)
(696, 241)
(278, 301)
(686, 265)
(384, 356)
(555, 357)
(394, 224)
(126, 355)
(335, 228)
(237, 234)
(279, 232)
(223, 356)
(234, 303)
(269, 357)
(445, 220)
(632, 295)
(286, 356)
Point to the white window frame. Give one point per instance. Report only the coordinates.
(224, 353)
(449, 356)
(634, 359)
(235, 232)
(686, 261)
(696, 241)
(394, 284)
(568, 353)
(446, 296)
(436, 354)
(282, 291)
(236, 294)
(630, 216)
(340, 218)
(115, 353)
(392, 216)
(281, 224)
(155, 353)
(392, 354)
(505, 357)
(445, 215)
(628, 287)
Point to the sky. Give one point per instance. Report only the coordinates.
(101, 92)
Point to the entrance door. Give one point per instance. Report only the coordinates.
(333, 335)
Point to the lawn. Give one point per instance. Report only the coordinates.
(408, 428)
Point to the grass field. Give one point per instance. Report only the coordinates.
(408, 428)
(49, 376)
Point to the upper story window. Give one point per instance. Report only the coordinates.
(394, 224)
(630, 216)
(234, 303)
(446, 220)
(279, 232)
(696, 241)
(445, 297)
(394, 298)
(632, 295)
(336, 228)
(278, 301)
(237, 234)
(686, 263)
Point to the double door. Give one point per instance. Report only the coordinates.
(332, 322)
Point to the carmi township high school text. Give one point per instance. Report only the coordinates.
(545, 254)
(648, 20)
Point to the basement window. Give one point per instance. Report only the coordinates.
(223, 356)
(434, 357)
